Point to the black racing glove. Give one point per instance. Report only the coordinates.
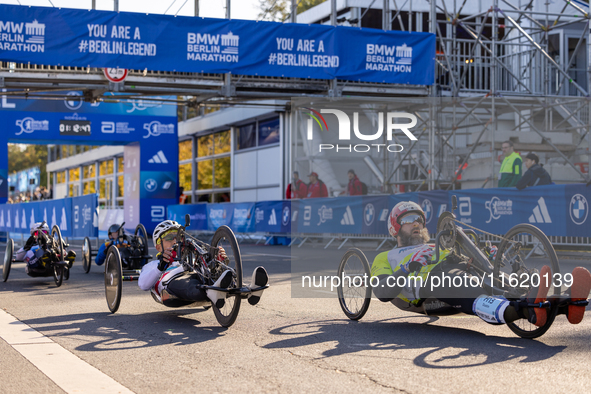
(162, 264)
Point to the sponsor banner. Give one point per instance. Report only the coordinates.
(205, 45)
(158, 184)
(197, 212)
(76, 217)
(237, 216)
(434, 203)
(576, 210)
(153, 212)
(343, 215)
(85, 216)
(272, 216)
(375, 215)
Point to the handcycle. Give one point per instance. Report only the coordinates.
(521, 253)
(51, 245)
(197, 257)
(133, 249)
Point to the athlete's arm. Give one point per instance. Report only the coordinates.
(149, 275)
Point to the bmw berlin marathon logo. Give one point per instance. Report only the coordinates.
(369, 214)
(579, 209)
(428, 209)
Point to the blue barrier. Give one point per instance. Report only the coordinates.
(76, 217)
(558, 210)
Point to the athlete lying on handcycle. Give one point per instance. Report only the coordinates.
(171, 285)
(413, 255)
(37, 251)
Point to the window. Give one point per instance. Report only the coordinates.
(246, 136)
(88, 172)
(259, 133)
(185, 150)
(205, 146)
(120, 164)
(120, 186)
(222, 173)
(102, 188)
(74, 174)
(185, 173)
(106, 167)
(222, 142)
(205, 174)
(89, 187)
(269, 132)
(61, 177)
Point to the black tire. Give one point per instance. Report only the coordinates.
(58, 274)
(528, 247)
(86, 255)
(8, 255)
(225, 237)
(67, 272)
(142, 235)
(113, 278)
(354, 264)
(58, 242)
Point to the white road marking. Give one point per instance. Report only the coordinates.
(65, 369)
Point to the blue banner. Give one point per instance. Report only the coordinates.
(76, 217)
(82, 38)
(197, 212)
(85, 216)
(273, 216)
(237, 216)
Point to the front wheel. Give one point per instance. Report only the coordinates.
(86, 255)
(225, 237)
(8, 254)
(522, 253)
(58, 274)
(113, 278)
(354, 291)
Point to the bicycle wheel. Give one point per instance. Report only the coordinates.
(58, 274)
(8, 254)
(58, 242)
(225, 237)
(86, 255)
(522, 253)
(67, 272)
(354, 291)
(113, 278)
(142, 236)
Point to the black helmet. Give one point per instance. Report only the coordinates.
(114, 228)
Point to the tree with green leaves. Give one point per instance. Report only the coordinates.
(280, 10)
(22, 157)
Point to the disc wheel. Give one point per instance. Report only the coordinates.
(8, 254)
(58, 247)
(225, 237)
(354, 291)
(113, 278)
(142, 237)
(522, 253)
(446, 223)
(86, 255)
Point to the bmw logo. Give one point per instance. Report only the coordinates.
(150, 185)
(579, 209)
(369, 213)
(428, 209)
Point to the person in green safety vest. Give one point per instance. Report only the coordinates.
(510, 167)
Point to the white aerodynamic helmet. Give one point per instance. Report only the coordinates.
(164, 227)
(39, 226)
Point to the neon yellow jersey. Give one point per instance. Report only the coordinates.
(387, 263)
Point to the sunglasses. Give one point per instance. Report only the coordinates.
(170, 236)
(409, 219)
(36, 233)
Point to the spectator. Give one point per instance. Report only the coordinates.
(182, 196)
(535, 175)
(316, 188)
(355, 187)
(296, 189)
(49, 195)
(510, 167)
(43, 191)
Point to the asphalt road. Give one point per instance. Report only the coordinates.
(284, 344)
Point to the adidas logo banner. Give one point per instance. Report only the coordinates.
(348, 217)
(158, 158)
(540, 213)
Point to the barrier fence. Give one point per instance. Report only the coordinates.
(560, 211)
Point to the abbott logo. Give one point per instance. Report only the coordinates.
(157, 213)
(392, 122)
(107, 127)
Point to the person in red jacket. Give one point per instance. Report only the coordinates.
(296, 189)
(316, 188)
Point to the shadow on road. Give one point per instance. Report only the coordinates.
(444, 347)
(108, 332)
